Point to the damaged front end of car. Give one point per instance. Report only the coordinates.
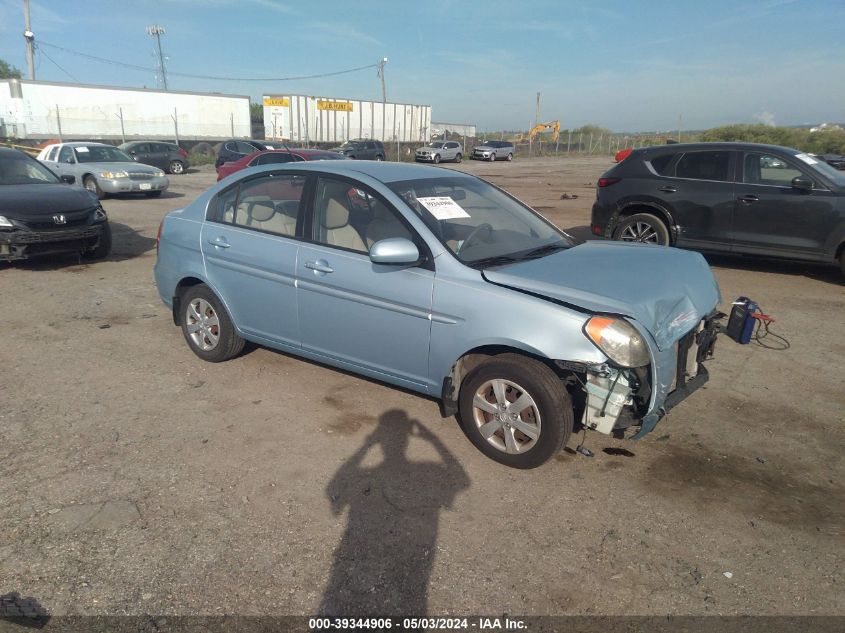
(69, 232)
(628, 395)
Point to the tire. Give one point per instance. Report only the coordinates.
(510, 157)
(642, 227)
(152, 194)
(90, 183)
(842, 263)
(492, 158)
(379, 157)
(458, 157)
(550, 414)
(436, 158)
(103, 247)
(217, 340)
(176, 167)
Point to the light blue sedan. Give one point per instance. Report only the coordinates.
(441, 283)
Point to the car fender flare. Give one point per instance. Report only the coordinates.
(660, 210)
(194, 279)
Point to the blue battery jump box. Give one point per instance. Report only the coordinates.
(741, 322)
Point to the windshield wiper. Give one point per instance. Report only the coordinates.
(494, 261)
(543, 251)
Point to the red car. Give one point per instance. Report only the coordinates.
(268, 157)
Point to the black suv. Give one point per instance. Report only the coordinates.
(167, 156)
(361, 149)
(727, 197)
(233, 150)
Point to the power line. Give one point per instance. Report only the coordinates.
(208, 77)
(56, 64)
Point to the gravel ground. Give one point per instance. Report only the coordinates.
(136, 479)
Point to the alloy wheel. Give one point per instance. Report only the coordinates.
(506, 416)
(202, 324)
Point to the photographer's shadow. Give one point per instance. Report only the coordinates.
(383, 562)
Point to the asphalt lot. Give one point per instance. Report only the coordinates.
(135, 478)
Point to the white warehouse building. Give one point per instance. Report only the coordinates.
(46, 110)
(305, 119)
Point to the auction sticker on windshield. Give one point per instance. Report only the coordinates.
(443, 207)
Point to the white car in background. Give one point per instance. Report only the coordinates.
(437, 151)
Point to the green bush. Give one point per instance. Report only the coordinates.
(825, 142)
(195, 160)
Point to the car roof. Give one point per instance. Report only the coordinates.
(84, 144)
(717, 145)
(379, 170)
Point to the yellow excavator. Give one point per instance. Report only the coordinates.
(542, 127)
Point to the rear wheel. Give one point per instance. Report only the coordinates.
(379, 157)
(515, 410)
(207, 327)
(90, 183)
(842, 262)
(176, 167)
(458, 157)
(642, 227)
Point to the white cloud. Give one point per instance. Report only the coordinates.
(765, 117)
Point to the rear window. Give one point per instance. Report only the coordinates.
(661, 164)
(704, 166)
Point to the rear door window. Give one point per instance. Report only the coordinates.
(244, 148)
(660, 164)
(712, 165)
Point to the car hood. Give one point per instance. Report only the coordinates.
(429, 149)
(485, 147)
(667, 290)
(120, 166)
(25, 201)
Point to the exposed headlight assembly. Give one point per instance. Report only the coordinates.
(5, 224)
(619, 340)
(114, 174)
(100, 215)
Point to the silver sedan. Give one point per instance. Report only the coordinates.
(104, 169)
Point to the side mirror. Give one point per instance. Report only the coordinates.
(68, 179)
(802, 184)
(394, 251)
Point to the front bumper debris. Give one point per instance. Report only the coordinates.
(19, 244)
(616, 399)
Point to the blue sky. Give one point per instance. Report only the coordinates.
(629, 66)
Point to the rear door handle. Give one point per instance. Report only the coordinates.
(749, 199)
(320, 266)
(667, 189)
(220, 242)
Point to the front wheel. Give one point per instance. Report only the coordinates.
(436, 158)
(492, 158)
(207, 327)
(642, 227)
(90, 183)
(458, 157)
(379, 157)
(515, 410)
(510, 157)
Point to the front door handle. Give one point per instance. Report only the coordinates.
(667, 189)
(321, 266)
(220, 242)
(749, 199)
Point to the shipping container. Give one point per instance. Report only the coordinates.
(42, 110)
(304, 119)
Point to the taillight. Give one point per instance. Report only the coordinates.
(606, 182)
(183, 153)
(158, 235)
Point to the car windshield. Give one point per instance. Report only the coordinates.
(480, 224)
(101, 154)
(351, 145)
(18, 169)
(831, 173)
(437, 144)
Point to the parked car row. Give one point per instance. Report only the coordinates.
(275, 157)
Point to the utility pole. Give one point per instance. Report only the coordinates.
(537, 114)
(158, 31)
(29, 36)
(680, 119)
(381, 64)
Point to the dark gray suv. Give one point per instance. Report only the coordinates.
(740, 198)
(167, 156)
(362, 149)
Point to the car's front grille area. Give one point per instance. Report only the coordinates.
(140, 175)
(25, 237)
(52, 226)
